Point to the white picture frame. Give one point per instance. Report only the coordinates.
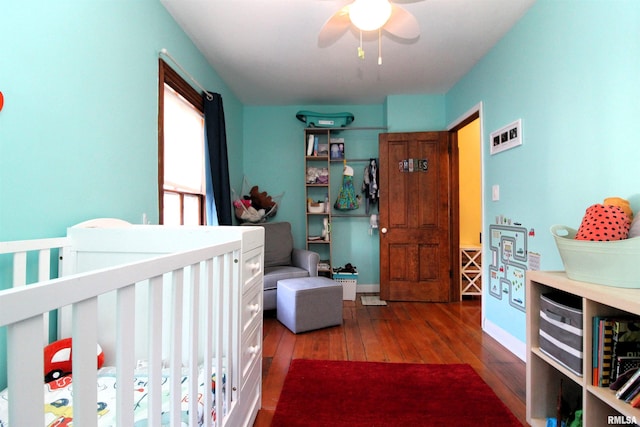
(506, 137)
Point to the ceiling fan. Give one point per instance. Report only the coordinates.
(367, 16)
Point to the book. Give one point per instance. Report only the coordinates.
(624, 363)
(626, 340)
(632, 392)
(606, 352)
(595, 346)
(310, 143)
(635, 402)
(634, 380)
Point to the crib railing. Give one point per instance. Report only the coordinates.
(19, 249)
(204, 284)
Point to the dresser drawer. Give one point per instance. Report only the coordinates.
(251, 268)
(251, 351)
(251, 308)
(251, 394)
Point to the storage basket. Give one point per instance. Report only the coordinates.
(561, 329)
(611, 263)
(349, 282)
(316, 207)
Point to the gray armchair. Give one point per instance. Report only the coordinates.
(283, 261)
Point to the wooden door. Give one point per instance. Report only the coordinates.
(415, 238)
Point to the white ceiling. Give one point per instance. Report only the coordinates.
(267, 50)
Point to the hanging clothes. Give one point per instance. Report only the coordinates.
(347, 199)
(370, 184)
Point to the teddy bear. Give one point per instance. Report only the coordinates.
(621, 203)
(260, 200)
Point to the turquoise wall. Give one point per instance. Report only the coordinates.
(415, 113)
(569, 70)
(78, 131)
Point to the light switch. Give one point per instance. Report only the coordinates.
(495, 193)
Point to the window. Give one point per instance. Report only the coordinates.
(181, 173)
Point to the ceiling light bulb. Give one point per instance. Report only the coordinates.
(369, 15)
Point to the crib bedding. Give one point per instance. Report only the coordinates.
(58, 395)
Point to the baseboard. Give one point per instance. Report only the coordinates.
(505, 339)
(364, 288)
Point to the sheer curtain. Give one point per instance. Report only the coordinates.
(217, 163)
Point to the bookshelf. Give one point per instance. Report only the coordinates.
(330, 149)
(599, 404)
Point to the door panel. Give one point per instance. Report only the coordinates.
(429, 263)
(415, 260)
(400, 254)
(397, 193)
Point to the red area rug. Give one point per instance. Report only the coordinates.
(334, 393)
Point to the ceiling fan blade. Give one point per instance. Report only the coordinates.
(334, 28)
(402, 23)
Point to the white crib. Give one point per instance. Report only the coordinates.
(175, 302)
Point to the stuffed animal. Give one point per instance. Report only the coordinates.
(634, 229)
(58, 359)
(260, 200)
(621, 203)
(602, 223)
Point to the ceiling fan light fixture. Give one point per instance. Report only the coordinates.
(369, 15)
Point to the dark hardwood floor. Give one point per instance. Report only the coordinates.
(399, 332)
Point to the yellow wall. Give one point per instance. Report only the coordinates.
(470, 184)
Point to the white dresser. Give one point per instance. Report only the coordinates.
(246, 381)
(251, 309)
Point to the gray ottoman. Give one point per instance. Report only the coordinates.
(308, 303)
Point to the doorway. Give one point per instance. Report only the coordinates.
(467, 209)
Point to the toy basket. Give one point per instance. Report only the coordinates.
(610, 263)
(348, 282)
(245, 209)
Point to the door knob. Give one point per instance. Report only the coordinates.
(383, 230)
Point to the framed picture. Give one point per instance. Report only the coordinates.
(506, 137)
(337, 151)
(323, 149)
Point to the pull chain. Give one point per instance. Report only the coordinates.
(360, 49)
(380, 46)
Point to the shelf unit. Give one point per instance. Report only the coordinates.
(599, 404)
(470, 271)
(318, 192)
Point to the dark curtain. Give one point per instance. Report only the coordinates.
(217, 176)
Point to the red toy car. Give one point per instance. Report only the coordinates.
(58, 359)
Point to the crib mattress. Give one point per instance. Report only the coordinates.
(58, 406)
